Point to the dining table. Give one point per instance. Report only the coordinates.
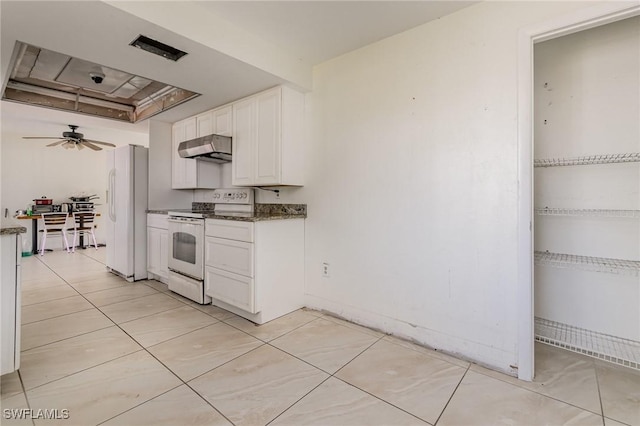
(34, 230)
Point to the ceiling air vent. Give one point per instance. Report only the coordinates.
(157, 48)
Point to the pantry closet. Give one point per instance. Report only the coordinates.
(587, 192)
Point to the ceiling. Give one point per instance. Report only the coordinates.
(235, 48)
(45, 78)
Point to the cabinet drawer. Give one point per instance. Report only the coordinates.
(236, 290)
(229, 255)
(230, 229)
(157, 220)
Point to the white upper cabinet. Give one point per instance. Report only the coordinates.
(184, 170)
(268, 139)
(188, 173)
(222, 121)
(217, 121)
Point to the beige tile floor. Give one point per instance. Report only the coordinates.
(118, 353)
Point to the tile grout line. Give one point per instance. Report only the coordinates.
(595, 370)
(263, 343)
(299, 399)
(57, 316)
(451, 396)
(66, 338)
(87, 369)
(367, 392)
(144, 402)
(333, 375)
(24, 392)
(270, 340)
(538, 393)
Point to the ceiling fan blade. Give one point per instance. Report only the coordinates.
(100, 143)
(41, 137)
(57, 142)
(89, 145)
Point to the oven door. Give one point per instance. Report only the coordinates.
(186, 246)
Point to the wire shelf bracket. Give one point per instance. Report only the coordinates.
(631, 214)
(632, 157)
(587, 263)
(605, 347)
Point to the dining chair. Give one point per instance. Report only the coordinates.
(83, 224)
(54, 225)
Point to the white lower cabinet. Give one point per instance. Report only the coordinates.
(10, 300)
(230, 255)
(227, 287)
(255, 269)
(158, 247)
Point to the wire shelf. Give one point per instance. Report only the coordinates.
(631, 157)
(587, 263)
(597, 345)
(588, 212)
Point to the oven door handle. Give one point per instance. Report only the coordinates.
(197, 222)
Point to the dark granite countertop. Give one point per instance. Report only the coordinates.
(253, 217)
(262, 212)
(9, 226)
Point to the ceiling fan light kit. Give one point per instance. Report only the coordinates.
(73, 139)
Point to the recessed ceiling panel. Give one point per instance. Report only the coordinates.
(47, 65)
(45, 78)
(131, 87)
(79, 73)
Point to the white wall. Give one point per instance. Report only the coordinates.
(412, 182)
(161, 196)
(30, 170)
(590, 105)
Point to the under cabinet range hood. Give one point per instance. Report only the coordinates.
(215, 148)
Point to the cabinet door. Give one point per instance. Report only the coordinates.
(9, 303)
(177, 163)
(184, 170)
(236, 290)
(163, 266)
(268, 138)
(205, 124)
(222, 121)
(229, 255)
(190, 164)
(244, 130)
(158, 252)
(153, 250)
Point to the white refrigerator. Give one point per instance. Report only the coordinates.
(126, 218)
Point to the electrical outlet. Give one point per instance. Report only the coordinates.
(325, 269)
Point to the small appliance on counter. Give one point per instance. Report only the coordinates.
(82, 203)
(42, 205)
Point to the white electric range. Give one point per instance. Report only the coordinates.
(186, 240)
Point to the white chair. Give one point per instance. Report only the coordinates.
(83, 224)
(54, 225)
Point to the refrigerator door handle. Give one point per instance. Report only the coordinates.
(112, 193)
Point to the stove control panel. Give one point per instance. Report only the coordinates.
(233, 196)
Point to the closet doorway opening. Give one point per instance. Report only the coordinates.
(579, 210)
(586, 91)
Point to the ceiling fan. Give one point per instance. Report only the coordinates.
(73, 139)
